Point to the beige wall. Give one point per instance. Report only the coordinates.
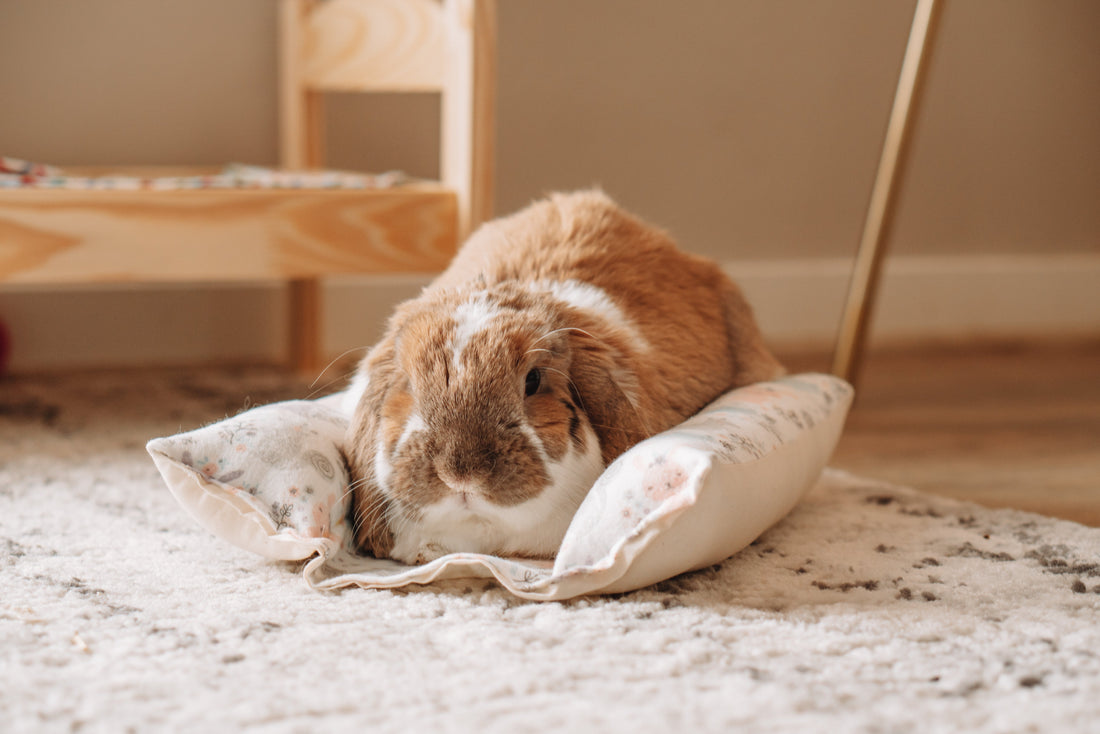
(749, 127)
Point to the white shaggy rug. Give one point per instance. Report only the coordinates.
(869, 609)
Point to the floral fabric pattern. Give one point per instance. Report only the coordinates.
(283, 460)
(707, 488)
(16, 173)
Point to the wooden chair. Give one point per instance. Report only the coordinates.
(58, 235)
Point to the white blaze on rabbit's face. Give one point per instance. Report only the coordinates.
(472, 317)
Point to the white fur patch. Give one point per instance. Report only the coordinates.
(535, 527)
(587, 297)
(530, 434)
(383, 470)
(354, 391)
(471, 318)
(415, 424)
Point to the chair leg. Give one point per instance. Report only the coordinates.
(305, 325)
(848, 354)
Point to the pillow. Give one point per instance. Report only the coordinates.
(272, 480)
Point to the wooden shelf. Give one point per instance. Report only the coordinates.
(71, 236)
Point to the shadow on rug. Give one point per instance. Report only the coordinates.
(871, 608)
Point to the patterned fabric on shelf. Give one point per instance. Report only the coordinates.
(20, 174)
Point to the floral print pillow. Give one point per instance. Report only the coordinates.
(278, 466)
(273, 480)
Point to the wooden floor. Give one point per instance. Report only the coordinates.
(1002, 425)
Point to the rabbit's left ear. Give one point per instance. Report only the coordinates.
(597, 378)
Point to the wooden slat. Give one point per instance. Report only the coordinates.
(71, 236)
(301, 112)
(305, 311)
(469, 100)
(374, 45)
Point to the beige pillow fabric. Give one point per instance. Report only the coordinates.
(271, 481)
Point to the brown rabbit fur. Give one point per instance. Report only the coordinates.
(558, 338)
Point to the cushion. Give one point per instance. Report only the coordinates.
(272, 481)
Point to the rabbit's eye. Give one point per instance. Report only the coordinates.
(531, 384)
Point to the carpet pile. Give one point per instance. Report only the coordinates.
(871, 608)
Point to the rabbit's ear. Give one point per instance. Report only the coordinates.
(370, 513)
(371, 509)
(604, 391)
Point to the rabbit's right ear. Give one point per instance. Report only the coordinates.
(371, 508)
(616, 419)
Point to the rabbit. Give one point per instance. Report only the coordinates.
(558, 337)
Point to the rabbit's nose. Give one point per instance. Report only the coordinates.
(469, 463)
(464, 490)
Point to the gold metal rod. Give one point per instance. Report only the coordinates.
(867, 268)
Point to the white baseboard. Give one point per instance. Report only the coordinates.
(798, 302)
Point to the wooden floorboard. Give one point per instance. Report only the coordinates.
(1004, 425)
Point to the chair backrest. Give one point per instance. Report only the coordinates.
(448, 46)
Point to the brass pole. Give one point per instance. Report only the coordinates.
(867, 269)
